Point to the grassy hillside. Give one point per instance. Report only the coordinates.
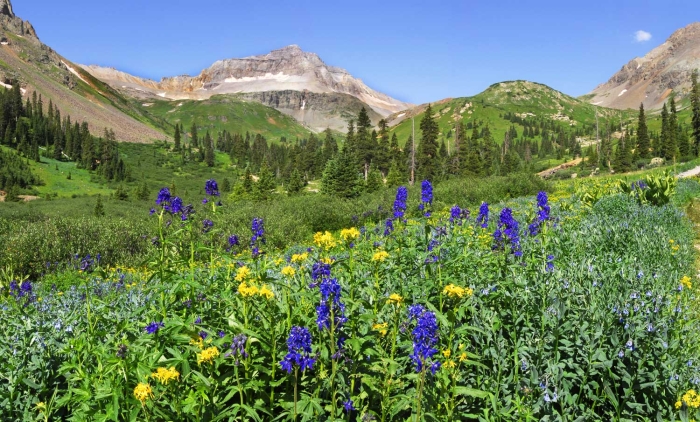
(226, 112)
(526, 98)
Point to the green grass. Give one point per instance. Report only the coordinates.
(227, 112)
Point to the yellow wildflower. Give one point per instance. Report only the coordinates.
(380, 256)
(207, 355)
(446, 353)
(685, 282)
(394, 298)
(350, 234)
(455, 291)
(278, 261)
(449, 364)
(143, 392)
(382, 328)
(164, 376)
(691, 399)
(242, 273)
(199, 342)
(247, 290)
(298, 258)
(266, 292)
(463, 357)
(678, 404)
(60, 293)
(324, 240)
(288, 271)
(41, 406)
(328, 261)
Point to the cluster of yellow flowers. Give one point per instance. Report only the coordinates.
(685, 282)
(328, 261)
(242, 273)
(164, 376)
(250, 290)
(288, 271)
(199, 342)
(324, 240)
(450, 363)
(395, 299)
(382, 328)
(380, 256)
(350, 234)
(455, 291)
(690, 399)
(143, 392)
(298, 258)
(208, 355)
(674, 246)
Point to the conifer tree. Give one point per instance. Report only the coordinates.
(193, 136)
(395, 177)
(374, 180)
(266, 182)
(643, 144)
(664, 139)
(99, 210)
(695, 107)
(296, 183)
(208, 150)
(340, 177)
(426, 157)
(177, 138)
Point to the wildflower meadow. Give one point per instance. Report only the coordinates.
(577, 307)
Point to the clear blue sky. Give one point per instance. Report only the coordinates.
(417, 51)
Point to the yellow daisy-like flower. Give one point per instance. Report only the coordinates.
(247, 290)
(278, 261)
(328, 261)
(199, 342)
(457, 292)
(678, 404)
(685, 282)
(143, 392)
(463, 357)
(394, 298)
(208, 355)
(382, 328)
(288, 271)
(446, 353)
(298, 258)
(449, 364)
(164, 376)
(266, 292)
(350, 234)
(691, 399)
(324, 240)
(242, 273)
(380, 256)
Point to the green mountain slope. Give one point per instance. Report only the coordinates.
(227, 112)
(529, 100)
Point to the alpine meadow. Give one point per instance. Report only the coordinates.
(272, 239)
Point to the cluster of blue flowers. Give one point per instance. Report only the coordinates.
(330, 304)
(299, 351)
(211, 187)
(173, 205)
(153, 327)
(238, 351)
(22, 290)
(426, 197)
(543, 214)
(425, 338)
(483, 217)
(400, 202)
(458, 215)
(232, 241)
(508, 231)
(258, 237)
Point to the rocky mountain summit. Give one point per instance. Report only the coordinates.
(650, 79)
(295, 82)
(14, 24)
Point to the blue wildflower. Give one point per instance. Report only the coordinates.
(211, 187)
(163, 196)
(207, 225)
(425, 337)
(238, 348)
(483, 217)
(388, 227)
(298, 350)
(153, 327)
(426, 197)
(508, 230)
(348, 405)
(258, 229)
(400, 202)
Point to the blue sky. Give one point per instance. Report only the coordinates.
(417, 51)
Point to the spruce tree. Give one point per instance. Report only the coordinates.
(99, 210)
(671, 150)
(266, 182)
(208, 150)
(295, 184)
(193, 136)
(695, 107)
(664, 140)
(374, 180)
(177, 137)
(643, 143)
(395, 177)
(426, 157)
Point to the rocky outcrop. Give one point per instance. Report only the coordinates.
(10, 22)
(287, 69)
(650, 79)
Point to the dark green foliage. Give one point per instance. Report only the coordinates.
(427, 152)
(99, 210)
(15, 172)
(341, 177)
(142, 193)
(374, 180)
(177, 138)
(695, 109)
(296, 183)
(121, 193)
(265, 184)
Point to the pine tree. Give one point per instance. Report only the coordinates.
(266, 182)
(664, 140)
(374, 180)
(695, 107)
(177, 138)
(426, 157)
(193, 136)
(340, 177)
(671, 150)
(643, 144)
(366, 145)
(395, 177)
(208, 150)
(99, 210)
(296, 183)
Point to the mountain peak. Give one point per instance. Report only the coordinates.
(6, 8)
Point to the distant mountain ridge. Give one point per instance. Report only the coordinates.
(650, 79)
(289, 69)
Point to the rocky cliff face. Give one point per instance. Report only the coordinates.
(14, 24)
(650, 79)
(280, 71)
